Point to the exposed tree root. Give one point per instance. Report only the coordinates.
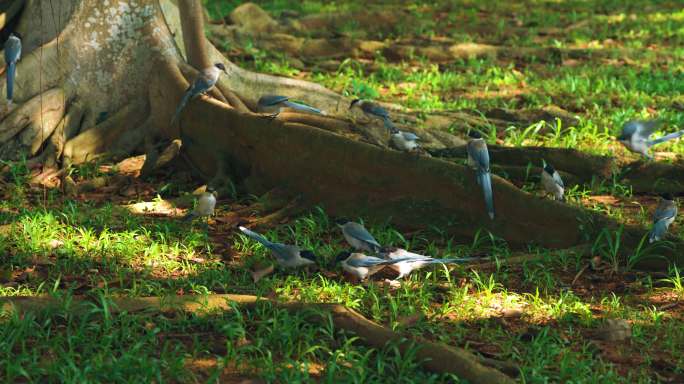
(654, 177)
(569, 160)
(29, 125)
(435, 357)
(153, 163)
(518, 163)
(106, 136)
(9, 9)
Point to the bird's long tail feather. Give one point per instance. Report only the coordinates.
(301, 107)
(666, 138)
(457, 260)
(256, 237)
(485, 180)
(184, 101)
(11, 73)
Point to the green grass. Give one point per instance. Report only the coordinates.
(72, 247)
(640, 76)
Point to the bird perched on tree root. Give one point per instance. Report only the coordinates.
(12, 56)
(478, 158)
(662, 218)
(404, 141)
(373, 110)
(552, 182)
(635, 136)
(275, 103)
(205, 80)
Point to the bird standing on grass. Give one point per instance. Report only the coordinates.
(361, 266)
(478, 158)
(12, 56)
(205, 80)
(287, 256)
(662, 218)
(636, 135)
(205, 205)
(357, 236)
(414, 261)
(275, 103)
(552, 182)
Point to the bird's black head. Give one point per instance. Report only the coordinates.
(15, 34)
(667, 196)
(341, 221)
(210, 189)
(344, 255)
(354, 102)
(221, 67)
(622, 137)
(549, 169)
(388, 249)
(308, 254)
(475, 134)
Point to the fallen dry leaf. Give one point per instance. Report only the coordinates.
(261, 273)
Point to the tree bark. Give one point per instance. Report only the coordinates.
(119, 66)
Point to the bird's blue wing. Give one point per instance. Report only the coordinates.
(641, 127)
(12, 55)
(371, 261)
(270, 100)
(477, 149)
(376, 110)
(557, 179)
(301, 107)
(410, 136)
(12, 50)
(401, 253)
(357, 231)
(367, 261)
(664, 214)
(200, 85)
(629, 128)
(389, 124)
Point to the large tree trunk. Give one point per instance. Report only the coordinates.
(105, 77)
